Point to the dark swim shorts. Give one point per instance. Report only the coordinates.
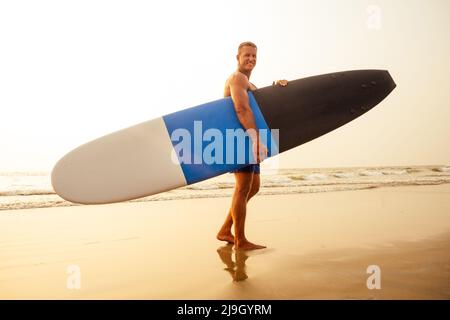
(250, 168)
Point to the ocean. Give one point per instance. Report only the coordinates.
(26, 190)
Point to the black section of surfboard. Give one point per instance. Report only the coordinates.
(310, 107)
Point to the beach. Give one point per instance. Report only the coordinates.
(319, 246)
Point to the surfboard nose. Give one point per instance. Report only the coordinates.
(362, 90)
(389, 82)
(376, 84)
(310, 107)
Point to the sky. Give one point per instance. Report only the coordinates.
(72, 71)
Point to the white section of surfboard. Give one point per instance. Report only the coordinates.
(137, 159)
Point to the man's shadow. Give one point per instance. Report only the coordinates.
(235, 268)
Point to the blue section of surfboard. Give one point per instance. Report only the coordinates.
(205, 141)
(209, 140)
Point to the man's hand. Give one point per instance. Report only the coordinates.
(282, 83)
(259, 151)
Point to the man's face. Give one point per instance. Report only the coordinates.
(247, 58)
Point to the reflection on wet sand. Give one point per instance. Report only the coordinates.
(235, 268)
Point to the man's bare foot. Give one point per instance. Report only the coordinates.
(247, 245)
(228, 237)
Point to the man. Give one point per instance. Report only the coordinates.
(247, 178)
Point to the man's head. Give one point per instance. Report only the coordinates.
(246, 56)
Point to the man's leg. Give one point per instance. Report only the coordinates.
(225, 232)
(239, 210)
(255, 186)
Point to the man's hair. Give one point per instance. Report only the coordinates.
(246, 44)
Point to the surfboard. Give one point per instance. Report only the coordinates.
(207, 140)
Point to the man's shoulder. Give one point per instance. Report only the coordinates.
(238, 78)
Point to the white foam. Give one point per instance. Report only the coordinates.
(394, 172)
(315, 176)
(203, 186)
(344, 175)
(278, 179)
(370, 173)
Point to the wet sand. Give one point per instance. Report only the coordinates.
(319, 247)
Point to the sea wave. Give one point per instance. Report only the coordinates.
(442, 169)
(32, 190)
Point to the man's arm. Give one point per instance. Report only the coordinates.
(238, 89)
